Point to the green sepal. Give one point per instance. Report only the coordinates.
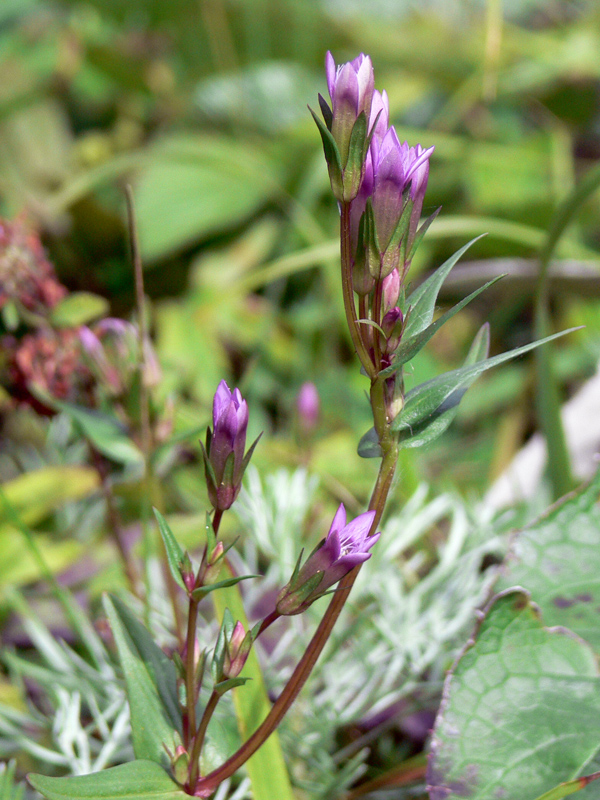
(410, 346)
(421, 233)
(369, 446)
(230, 683)
(367, 258)
(294, 602)
(211, 539)
(249, 453)
(434, 427)
(209, 473)
(438, 395)
(326, 111)
(353, 168)
(175, 555)
(202, 591)
(225, 631)
(421, 303)
(332, 156)
(390, 258)
(208, 440)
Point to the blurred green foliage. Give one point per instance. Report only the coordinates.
(201, 106)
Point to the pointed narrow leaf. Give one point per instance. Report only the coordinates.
(230, 683)
(202, 591)
(421, 232)
(224, 636)
(410, 346)
(172, 548)
(138, 780)
(160, 667)
(151, 730)
(332, 154)
(435, 426)
(446, 391)
(565, 789)
(421, 303)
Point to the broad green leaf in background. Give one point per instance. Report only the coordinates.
(37, 493)
(266, 768)
(151, 729)
(557, 560)
(195, 186)
(520, 712)
(138, 780)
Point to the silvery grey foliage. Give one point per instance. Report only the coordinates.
(80, 722)
(410, 609)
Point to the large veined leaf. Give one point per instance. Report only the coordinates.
(557, 559)
(520, 712)
(138, 780)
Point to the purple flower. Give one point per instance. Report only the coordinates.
(351, 88)
(345, 547)
(397, 169)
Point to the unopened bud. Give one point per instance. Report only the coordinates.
(391, 290)
(308, 406)
(236, 651)
(392, 328)
(212, 564)
(180, 764)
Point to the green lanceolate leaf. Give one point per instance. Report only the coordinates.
(151, 728)
(409, 347)
(105, 432)
(230, 683)
(435, 426)
(172, 549)
(520, 709)
(202, 591)
(421, 303)
(160, 667)
(440, 394)
(421, 233)
(557, 559)
(138, 780)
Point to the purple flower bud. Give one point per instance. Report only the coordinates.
(226, 446)
(351, 88)
(392, 327)
(391, 290)
(308, 406)
(345, 547)
(236, 651)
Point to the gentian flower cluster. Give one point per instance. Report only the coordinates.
(380, 184)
